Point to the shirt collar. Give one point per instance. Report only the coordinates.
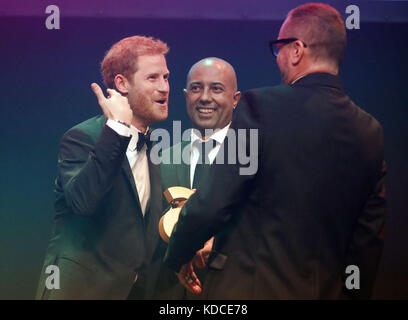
(218, 135)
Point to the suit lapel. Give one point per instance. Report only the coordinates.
(155, 185)
(153, 208)
(127, 171)
(183, 169)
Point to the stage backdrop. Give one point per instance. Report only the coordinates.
(44, 83)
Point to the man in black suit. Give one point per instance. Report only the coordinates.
(211, 97)
(309, 224)
(108, 193)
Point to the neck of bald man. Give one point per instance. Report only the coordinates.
(202, 132)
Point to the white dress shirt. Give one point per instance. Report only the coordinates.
(137, 160)
(218, 136)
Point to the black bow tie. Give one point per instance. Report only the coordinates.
(143, 139)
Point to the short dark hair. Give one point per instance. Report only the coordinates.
(322, 28)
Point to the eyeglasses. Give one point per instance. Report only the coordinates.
(276, 45)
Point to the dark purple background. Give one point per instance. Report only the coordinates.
(45, 78)
(378, 11)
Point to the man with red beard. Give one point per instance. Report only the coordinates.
(108, 195)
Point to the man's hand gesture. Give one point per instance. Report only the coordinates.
(187, 276)
(115, 107)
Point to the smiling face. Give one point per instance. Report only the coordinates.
(211, 94)
(148, 90)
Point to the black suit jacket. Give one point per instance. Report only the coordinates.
(315, 205)
(100, 238)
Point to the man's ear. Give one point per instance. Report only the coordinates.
(121, 84)
(237, 96)
(296, 52)
(185, 92)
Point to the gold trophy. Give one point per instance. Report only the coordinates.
(176, 196)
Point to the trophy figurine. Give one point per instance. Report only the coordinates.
(176, 196)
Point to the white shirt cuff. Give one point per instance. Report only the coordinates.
(119, 128)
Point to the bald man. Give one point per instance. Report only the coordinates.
(211, 97)
(308, 224)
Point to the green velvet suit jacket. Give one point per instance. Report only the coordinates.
(100, 239)
(163, 281)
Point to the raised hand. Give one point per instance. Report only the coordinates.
(115, 107)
